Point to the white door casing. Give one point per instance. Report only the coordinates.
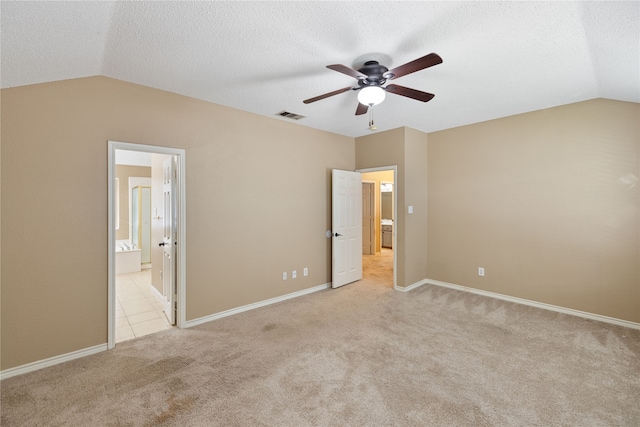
(368, 219)
(180, 209)
(169, 239)
(346, 224)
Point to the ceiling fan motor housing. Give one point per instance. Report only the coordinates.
(375, 74)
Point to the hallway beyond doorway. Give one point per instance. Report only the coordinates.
(378, 268)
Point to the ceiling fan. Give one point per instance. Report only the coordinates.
(372, 77)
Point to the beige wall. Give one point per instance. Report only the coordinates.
(415, 173)
(407, 149)
(123, 173)
(547, 202)
(243, 230)
(387, 149)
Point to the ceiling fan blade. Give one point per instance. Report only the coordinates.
(326, 95)
(410, 93)
(347, 70)
(361, 109)
(416, 65)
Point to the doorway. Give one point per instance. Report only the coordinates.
(130, 285)
(380, 266)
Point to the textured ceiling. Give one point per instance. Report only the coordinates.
(500, 58)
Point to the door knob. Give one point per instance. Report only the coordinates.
(338, 234)
(161, 244)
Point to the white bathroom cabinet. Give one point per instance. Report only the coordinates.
(387, 236)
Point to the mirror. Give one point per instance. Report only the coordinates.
(386, 200)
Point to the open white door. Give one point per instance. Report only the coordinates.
(169, 239)
(346, 224)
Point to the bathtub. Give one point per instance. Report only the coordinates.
(127, 258)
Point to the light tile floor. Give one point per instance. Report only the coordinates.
(138, 310)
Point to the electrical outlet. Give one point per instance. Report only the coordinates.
(284, 276)
(294, 274)
(305, 271)
(480, 271)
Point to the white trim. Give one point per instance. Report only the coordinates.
(182, 231)
(410, 287)
(255, 305)
(111, 248)
(157, 294)
(374, 212)
(542, 305)
(55, 360)
(395, 212)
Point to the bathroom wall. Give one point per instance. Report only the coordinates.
(123, 173)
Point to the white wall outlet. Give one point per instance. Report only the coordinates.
(294, 274)
(305, 271)
(284, 276)
(480, 271)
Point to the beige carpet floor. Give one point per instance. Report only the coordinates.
(378, 268)
(361, 355)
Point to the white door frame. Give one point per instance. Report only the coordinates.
(397, 217)
(181, 228)
(373, 202)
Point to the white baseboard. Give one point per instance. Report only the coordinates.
(34, 366)
(255, 305)
(157, 294)
(544, 306)
(410, 287)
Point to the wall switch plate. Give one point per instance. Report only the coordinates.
(294, 274)
(284, 276)
(305, 271)
(480, 271)
(410, 209)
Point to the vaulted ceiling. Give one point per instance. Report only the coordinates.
(499, 58)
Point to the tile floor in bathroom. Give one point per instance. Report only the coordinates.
(138, 310)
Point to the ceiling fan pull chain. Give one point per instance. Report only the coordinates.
(372, 126)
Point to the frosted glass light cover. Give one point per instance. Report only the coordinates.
(371, 95)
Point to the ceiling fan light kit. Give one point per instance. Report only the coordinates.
(372, 78)
(371, 95)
